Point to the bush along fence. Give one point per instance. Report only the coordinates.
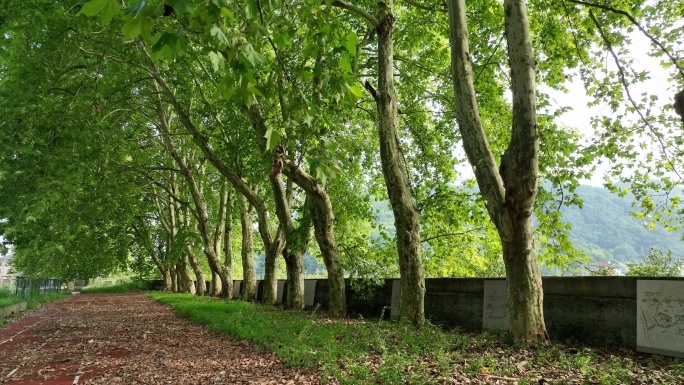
(646, 314)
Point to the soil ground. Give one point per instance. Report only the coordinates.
(128, 339)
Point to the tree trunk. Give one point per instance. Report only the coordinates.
(220, 275)
(227, 290)
(216, 285)
(248, 270)
(323, 231)
(270, 284)
(174, 279)
(209, 244)
(199, 275)
(179, 277)
(320, 198)
(166, 274)
(406, 217)
(296, 241)
(510, 190)
(525, 294)
(188, 285)
(323, 221)
(71, 285)
(520, 173)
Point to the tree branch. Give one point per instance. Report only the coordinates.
(432, 8)
(450, 234)
(636, 23)
(360, 12)
(623, 80)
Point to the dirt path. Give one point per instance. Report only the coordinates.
(127, 339)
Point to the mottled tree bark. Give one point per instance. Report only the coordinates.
(188, 285)
(227, 290)
(323, 221)
(166, 274)
(174, 279)
(511, 189)
(201, 288)
(296, 241)
(222, 285)
(247, 252)
(406, 216)
(200, 211)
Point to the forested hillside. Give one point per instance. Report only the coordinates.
(604, 229)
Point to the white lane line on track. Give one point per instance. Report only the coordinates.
(11, 373)
(76, 379)
(14, 336)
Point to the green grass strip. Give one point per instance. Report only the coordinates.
(382, 352)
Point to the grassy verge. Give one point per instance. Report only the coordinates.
(7, 298)
(358, 351)
(117, 288)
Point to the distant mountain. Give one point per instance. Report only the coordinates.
(604, 229)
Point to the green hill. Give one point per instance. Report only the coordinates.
(604, 229)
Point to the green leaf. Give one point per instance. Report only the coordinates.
(167, 46)
(92, 7)
(217, 60)
(355, 92)
(217, 32)
(252, 56)
(111, 9)
(345, 63)
(307, 119)
(251, 9)
(254, 91)
(350, 41)
(133, 28)
(321, 175)
(272, 138)
(281, 40)
(107, 9)
(181, 6)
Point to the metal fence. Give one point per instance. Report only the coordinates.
(26, 287)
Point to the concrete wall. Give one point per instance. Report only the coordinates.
(598, 311)
(594, 310)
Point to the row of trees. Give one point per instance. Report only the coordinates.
(149, 130)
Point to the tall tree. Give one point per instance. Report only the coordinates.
(509, 190)
(406, 215)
